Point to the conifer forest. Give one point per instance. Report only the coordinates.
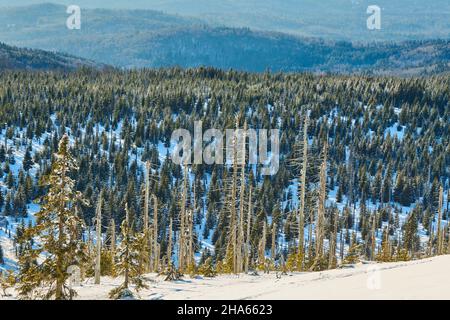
(87, 179)
(224, 150)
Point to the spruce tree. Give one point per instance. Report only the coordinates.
(27, 161)
(57, 225)
(129, 257)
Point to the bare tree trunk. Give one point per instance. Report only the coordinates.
(320, 222)
(262, 245)
(240, 240)
(247, 238)
(232, 242)
(146, 213)
(127, 249)
(113, 238)
(182, 240)
(439, 236)
(155, 233)
(272, 249)
(99, 241)
(310, 239)
(190, 221)
(169, 244)
(190, 254)
(430, 241)
(373, 239)
(333, 243)
(301, 211)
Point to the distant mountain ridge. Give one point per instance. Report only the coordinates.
(143, 38)
(13, 58)
(329, 19)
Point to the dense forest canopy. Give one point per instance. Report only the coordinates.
(387, 155)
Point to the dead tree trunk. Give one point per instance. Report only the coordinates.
(113, 238)
(169, 244)
(440, 234)
(373, 239)
(182, 237)
(232, 241)
(273, 246)
(262, 246)
(301, 211)
(190, 240)
(155, 234)
(146, 214)
(320, 221)
(333, 243)
(99, 241)
(249, 221)
(240, 240)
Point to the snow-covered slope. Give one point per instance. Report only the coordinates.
(422, 279)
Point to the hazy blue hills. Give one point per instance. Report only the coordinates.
(329, 19)
(145, 38)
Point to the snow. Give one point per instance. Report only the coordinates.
(421, 279)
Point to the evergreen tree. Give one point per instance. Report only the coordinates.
(27, 161)
(353, 253)
(207, 268)
(129, 259)
(57, 225)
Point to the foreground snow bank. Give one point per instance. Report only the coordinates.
(424, 279)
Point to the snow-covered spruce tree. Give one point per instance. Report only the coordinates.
(353, 253)
(129, 259)
(56, 232)
(385, 253)
(207, 268)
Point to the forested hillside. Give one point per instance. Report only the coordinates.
(136, 39)
(375, 187)
(12, 58)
